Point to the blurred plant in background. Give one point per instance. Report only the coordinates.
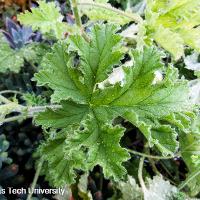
(19, 45)
(18, 36)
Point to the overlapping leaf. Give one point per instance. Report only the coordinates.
(173, 24)
(133, 95)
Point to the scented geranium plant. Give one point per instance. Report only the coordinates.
(111, 72)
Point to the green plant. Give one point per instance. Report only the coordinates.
(96, 81)
(172, 24)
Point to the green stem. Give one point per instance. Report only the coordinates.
(131, 16)
(11, 91)
(74, 6)
(35, 179)
(76, 13)
(151, 161)
(140, 169)
(149, 156)
(28, 112)
(36, 109)
(15, 118)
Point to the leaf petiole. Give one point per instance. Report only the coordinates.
(151, 156)
(74, 6)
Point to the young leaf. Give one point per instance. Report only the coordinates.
(130, 92)
(170, 41)
(176, 21)
(172, 24)
(45, 18)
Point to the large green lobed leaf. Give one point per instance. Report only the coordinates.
(95, 88)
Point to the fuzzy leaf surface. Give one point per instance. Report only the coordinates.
(102, 142)
(59, 77)
(60, 167)
(70, 113)
(129, 92)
